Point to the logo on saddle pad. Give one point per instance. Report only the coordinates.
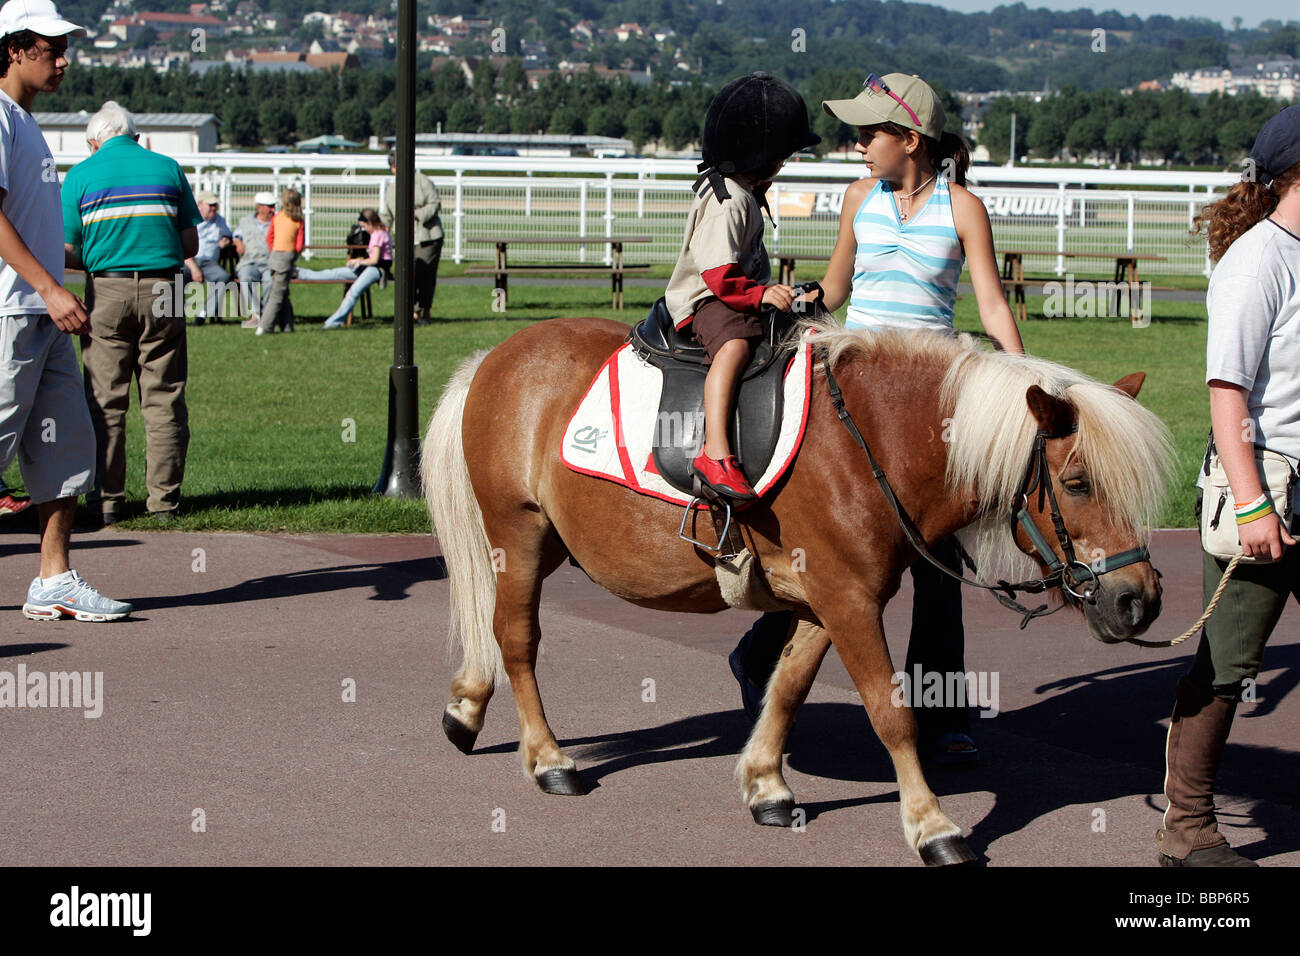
(586, 439)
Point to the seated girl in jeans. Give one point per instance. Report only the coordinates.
(366, 270)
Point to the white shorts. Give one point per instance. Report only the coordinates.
(43, 415)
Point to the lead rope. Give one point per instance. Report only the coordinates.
(1209, 609)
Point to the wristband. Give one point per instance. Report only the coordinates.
(1255, 513)
(1251, 505)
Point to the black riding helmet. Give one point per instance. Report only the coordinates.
(754, 121)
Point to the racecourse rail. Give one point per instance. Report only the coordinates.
(1077, 210)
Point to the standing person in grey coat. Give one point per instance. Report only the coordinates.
(428, 235)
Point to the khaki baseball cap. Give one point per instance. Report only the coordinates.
(873, 106)
(207, 196)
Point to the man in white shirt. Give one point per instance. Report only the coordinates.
(43, 415)
(214, 236)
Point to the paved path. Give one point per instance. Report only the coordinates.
(225, 694)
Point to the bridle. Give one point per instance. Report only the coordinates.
(1077, 580)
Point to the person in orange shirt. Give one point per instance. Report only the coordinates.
(285, 238)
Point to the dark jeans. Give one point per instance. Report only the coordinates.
(426, 272)
(937, 642)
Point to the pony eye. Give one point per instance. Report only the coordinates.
(1078, 486)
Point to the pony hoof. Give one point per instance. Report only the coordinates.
(458, 733)
(774, 813)
(947, 851)
(562, 781)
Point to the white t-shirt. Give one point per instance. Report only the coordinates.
(32, 203)
(1254, 337)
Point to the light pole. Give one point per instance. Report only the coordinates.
(399, 475)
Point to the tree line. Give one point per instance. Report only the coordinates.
(259, 109)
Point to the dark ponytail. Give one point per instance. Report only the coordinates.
(949, 155)
(1246, 203)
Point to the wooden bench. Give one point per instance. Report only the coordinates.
(501, 270)
(1014, 279)
(615, 275)
(785, 273)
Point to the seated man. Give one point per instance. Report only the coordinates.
(254, 269)
(214, 235)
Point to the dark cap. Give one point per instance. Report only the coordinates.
(1277, 147)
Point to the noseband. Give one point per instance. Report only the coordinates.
(1077, 580)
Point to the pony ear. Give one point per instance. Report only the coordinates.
(1054, 415)
(1130, 385)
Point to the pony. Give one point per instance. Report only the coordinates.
(953, 425)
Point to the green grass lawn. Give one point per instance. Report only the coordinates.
(271, 416)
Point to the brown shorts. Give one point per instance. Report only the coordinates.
(715, 324)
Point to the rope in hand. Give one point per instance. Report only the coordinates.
(1209, 609)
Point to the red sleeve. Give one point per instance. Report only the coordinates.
(270, 234)
(300, 240)
(735, 289)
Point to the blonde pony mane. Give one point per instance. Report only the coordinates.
(1126, 448)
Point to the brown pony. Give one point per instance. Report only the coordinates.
(952, 425)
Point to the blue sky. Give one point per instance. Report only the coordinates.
(1251, 13)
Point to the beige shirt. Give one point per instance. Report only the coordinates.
(717, 234)
(428, 224)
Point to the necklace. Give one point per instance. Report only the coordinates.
(1284, 223)
(902, 215)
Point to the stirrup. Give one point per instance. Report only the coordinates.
(722, 536)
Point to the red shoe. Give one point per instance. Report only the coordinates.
(11, 504)
(724, 476)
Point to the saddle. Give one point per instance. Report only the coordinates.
(679, 434)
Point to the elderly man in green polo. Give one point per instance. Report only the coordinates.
(129, 215)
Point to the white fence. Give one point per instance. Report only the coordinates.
(1068, 210)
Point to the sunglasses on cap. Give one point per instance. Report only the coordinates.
(874, 83)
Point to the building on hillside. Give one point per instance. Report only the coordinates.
(167, 133)
(165, 24)
(1275, 79)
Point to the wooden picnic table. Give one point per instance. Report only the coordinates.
(785, 274)
(1014, 281)
(501, 269)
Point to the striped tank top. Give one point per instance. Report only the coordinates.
(905, 273)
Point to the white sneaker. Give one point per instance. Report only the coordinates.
(261, 331)
(72, 597)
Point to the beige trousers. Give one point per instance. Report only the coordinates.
(137, 330)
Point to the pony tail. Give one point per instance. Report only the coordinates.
(1246, 203)
(950, 155)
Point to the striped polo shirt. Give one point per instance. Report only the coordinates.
(904, 273)
(126, 207)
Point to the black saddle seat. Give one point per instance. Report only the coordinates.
(679, 435)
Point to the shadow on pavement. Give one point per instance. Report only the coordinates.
(1113, 715)
(21, 650)
(389, 581)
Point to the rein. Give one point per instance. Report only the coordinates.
(1077, 580)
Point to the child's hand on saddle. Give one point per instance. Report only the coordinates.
(779, 296)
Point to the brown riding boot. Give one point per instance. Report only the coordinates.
(1198, 732)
